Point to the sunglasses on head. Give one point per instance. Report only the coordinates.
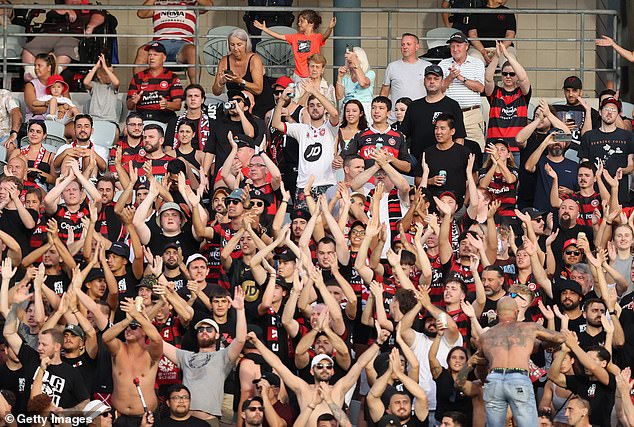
(574, 253)
(258, 203)
(515, 294)
(508, 73)
(205, 329)
(232, 202)
(322, 366)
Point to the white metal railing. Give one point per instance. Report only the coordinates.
(390, 37)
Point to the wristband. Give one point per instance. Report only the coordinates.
(612, 313)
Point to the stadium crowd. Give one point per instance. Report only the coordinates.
(304, 249)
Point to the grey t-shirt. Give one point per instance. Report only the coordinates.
(624, 266)
(405, 79)
(201, 374)
(104, 104)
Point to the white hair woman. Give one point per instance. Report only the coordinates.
(355, 80)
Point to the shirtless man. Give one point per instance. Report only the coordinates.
(507, 347)
(322, 371)
(133, 359)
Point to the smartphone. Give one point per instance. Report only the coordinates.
(562, 137)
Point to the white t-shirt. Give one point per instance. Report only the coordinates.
(7, 103)
(101, 152)
(405, 79)
(316, 152)
(420, 347)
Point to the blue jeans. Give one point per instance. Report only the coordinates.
(173, 48)
(513, 389)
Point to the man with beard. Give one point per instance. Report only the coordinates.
(594, 333)
(322, 370)
(108, 223)
(570, 299)
(130, 144)
(565, 168)
(174, 267)
(80, 348)
(253, 412)
(612, 146)
(317, 142)
(82, 149)
(420, 118)
(208, 363)
(421, 342)
(576, 114)
(152, 159)
(569, 229)
(493, 282)
(178, 401)
(197, 293)
(236, 120)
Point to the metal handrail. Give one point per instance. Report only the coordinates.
(390, 37)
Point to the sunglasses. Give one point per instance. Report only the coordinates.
(256, 408)
(322, 366)
(278, 92)
(538, 219)
(134, 326)
(515, 294)
(232, 202)
(205, 329)
(508, 73)
(237, 99)
(574, 253)
(258, 203)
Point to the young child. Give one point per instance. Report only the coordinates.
(306, 42)
(103, 92)
(60, 108)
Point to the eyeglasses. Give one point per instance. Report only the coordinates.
(574, 253)
(515, 294)
(508, 73)
(357, 232)
(181, 397)
(258, 203)
(205, 329)
(256, 408)
(232, 202)
(322, 366)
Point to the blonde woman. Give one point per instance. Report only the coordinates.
(355, 80)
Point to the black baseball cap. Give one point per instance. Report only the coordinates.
(573, 82)
(611, 100)
(155, 46)
(435, 70)
(458, 37)
(500, 141)
(287, 255)
(259, 195)
(272, 378)
(244, 141)
(94, 274)
(247, 402)
(570, 285)
(532, 212)
(233, 93)
(389, 420)
(119, 248)
(300, 213)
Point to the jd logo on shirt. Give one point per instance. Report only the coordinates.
(313, 152)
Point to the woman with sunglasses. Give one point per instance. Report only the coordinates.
(38, 158)
(509, 102)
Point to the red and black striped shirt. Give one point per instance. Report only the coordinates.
(159, 166)
(166, 84)
(587, 205)
(365, 142)
(508, 115)
(68, 220)
(502, 191)
(127, 153)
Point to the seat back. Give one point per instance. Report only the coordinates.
(437, 37)
(276, 53)
(54, 128)
(103, 133)
(216, 47)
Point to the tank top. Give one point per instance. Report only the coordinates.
(40, 90)
(558, 404)
(190, 157)
(247, 76)
(263, 101)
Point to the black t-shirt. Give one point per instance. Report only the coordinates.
(185, 240)
(454, 162)
(102, 381)
(189, 422)
(528, 181)
(62, 382)
(613, 148)
(241, 275)
(448, 398)
(586, 341)
(492, 25)
(58, 283)
(11, 224)
(601, 397)
(19, 382)
(85, 366)
(126, 283)
(420, 120)
(577, 114)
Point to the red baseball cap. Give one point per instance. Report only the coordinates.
(283, 81)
